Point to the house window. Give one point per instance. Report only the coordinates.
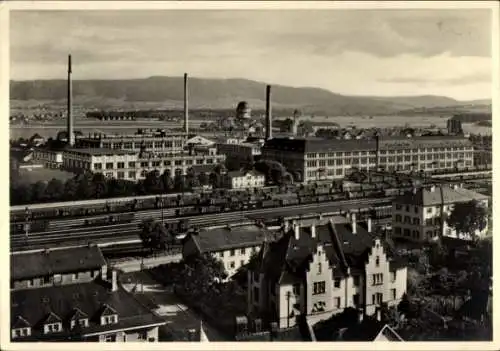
(242, 251)
(110, 338)
(112, 319)
(319, 288)
(221, 254)
(256, 276)
(256, 294)
(393, 277)
(355, 299)
(109, 165)
(47, 279)
(336, 283)
(355, 280)
(231, 253)
(319, 268)
(231, 264)
(337, 302)
(377, 261)
(393, 292)
(377, 298)
(76, 275)
(296, 289)
(52, 328)
(378, 279)
(242, 263)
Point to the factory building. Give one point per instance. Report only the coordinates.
(312, 159)
(132, 165)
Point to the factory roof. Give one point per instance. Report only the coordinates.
(432, 196)
(39, 264)
(307, 145)
(100, 151)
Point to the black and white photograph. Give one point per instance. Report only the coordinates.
(268, 173)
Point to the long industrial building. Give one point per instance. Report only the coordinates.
(312, 159)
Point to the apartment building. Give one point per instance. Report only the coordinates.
(233, 245)
(421, 214)
(312, 159)
(245, 180)
(72, 295)
(319, 268)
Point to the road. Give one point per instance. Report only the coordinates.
(164, 303)
(130, 231)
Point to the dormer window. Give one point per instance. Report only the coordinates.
(21, 328)
(108, 315)
(52, 324)
(79, 318)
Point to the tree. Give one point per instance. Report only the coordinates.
(55, 189)
(152, 182)
(179, 182)
(100, 185)
(468, 218)
(85, 187)
(38, 191)
(167, 182)
(203, 178)
(154, 235)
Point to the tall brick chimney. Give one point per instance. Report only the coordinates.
(269, 118)
(186, 105)
(69, 129)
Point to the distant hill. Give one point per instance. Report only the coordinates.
(219, 94)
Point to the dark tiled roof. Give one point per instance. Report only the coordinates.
(39, 264)
(35, 305)
(101, 151)
(304, 145)
(287, 258)
(368, 330)
(225, 238)
(426, 197)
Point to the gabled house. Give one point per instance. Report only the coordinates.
(233, 245)
(245, 179)
(320, 269)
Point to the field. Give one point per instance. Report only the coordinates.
(113, 127)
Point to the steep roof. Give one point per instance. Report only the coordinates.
(428, 197)
(226, 238)
(234, 174)
(288, 257)
(39, 264)
(35, 305)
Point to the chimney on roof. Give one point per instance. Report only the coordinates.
(296, 230)
(369, 225)
(432, 188)
(69, 129)
(360, 316)
(353, 222)
(114, 282)
(313, 231)
(186, 106)
(269, 118)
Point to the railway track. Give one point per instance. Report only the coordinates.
(114, 232)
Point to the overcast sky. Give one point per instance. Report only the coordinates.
(363, 52)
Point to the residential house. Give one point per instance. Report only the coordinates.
(56, 267)
(69, 295)
(245, 179)
(353, 325)
(233, 245)
(420, 215)
(318, 269)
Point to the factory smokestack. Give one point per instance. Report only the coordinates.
(69, 129)
(186, 106)
(269, 118)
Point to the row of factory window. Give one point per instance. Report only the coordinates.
(415, 234)
(365, 160)
(416, 221)
(388, 152)
(146, 164)
(128, 145)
